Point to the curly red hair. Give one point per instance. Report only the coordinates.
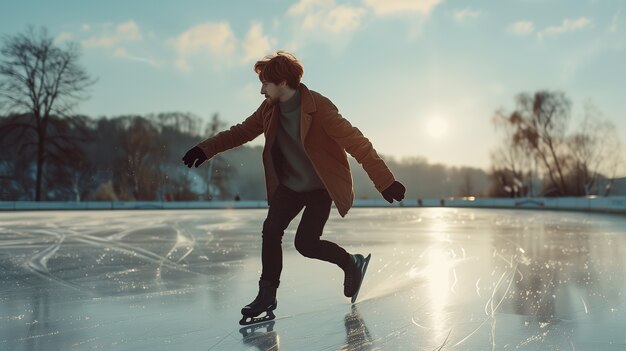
(280, 67)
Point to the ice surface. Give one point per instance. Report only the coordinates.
(439, 279)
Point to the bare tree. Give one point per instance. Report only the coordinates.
(139, 172)
(514, 161)
(467, 185)
(182, 123)
(176, 132)
(73, 180)
(581, 163)
(41, 80)
(596, 152)
(539, 124)
(15, 172)
(216, 170)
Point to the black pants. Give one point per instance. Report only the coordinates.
(286, 204)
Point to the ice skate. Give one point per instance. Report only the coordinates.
(354, 275)
(261, 309)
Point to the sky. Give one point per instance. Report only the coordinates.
(420, 78)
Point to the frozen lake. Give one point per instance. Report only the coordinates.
(439, 279)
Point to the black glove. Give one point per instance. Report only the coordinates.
(194, 156)
(394, 192)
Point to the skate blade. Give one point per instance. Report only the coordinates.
(246, 320)
(364, 269)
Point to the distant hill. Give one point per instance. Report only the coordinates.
(422, 179)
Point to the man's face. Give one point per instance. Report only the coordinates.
(271, 91)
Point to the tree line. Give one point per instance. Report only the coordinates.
(127, 158)
(49, 153)
(539, 157)
(124, 158)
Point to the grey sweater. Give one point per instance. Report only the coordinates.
(298, 173)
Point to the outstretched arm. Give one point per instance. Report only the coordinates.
(237, 135)
(359, 147)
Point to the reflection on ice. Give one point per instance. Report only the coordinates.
(439, 279)
(357, 335)
(437, 270)
(261, 336)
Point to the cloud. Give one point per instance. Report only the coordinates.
(522, 28)
(124, 32)
(63, 37)
(344, 19)
(215, 38)
(613, 28)
(567, 26)
(128, 31)
(183, 65)
(307, 6)
(256, 44)
(392, 7)
(104, 41)
(465, 14)
(115, 38)
(123, 53)
(326, 14)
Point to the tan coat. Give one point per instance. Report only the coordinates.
(326, 136)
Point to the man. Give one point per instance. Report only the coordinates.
(306, 166)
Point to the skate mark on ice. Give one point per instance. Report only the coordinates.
(182, 247)
(445, 341)
(184, 242)
(18, 239)
(392, 277)
(135, 252)
(38, 263)
(122, 234)
(471, 334)
(492, 305)
(18, 244)
(222, 340)
(491, 309)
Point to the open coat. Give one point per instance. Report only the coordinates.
(325, 135)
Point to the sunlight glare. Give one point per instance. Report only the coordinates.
(437, 274)
(437, 127)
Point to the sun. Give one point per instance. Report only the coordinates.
(437, 127)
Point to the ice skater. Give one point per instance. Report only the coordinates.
(306, 167)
